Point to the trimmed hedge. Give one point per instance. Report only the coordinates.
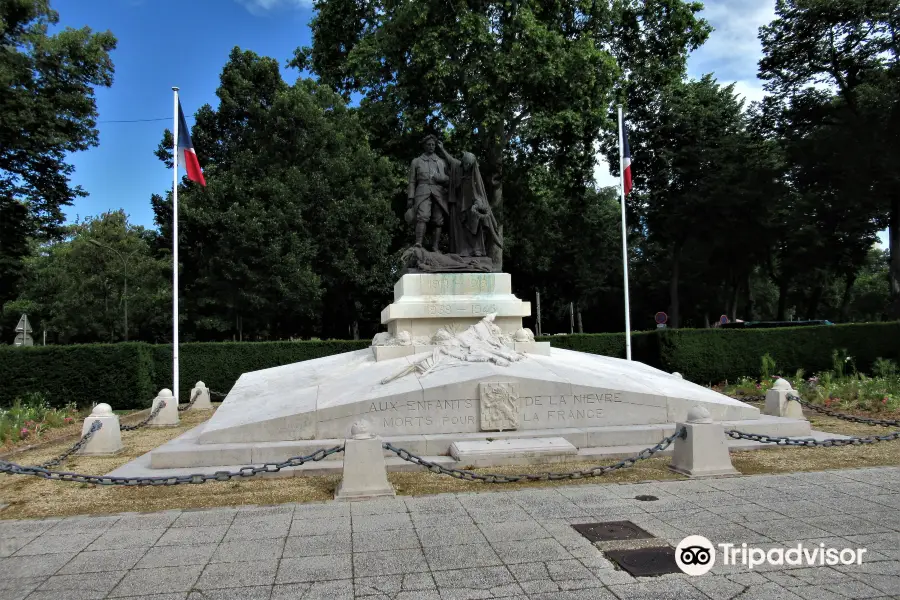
(715, 355)
(129, 375)
(119, 374)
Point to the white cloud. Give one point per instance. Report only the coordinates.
(750, 91)
(733, 48)
(262, 7)
(602, 177)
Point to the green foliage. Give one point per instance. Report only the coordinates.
(885, 368)
(711, 356)
(768, 366)
(30, 416)
(49, 112)
(120, 375)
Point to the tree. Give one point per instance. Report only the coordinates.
(853, 48)
(291, 235)
(48, 107)
(519, 83)
(75, 289)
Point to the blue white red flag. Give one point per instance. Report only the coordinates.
(186, 154)
(626, 160)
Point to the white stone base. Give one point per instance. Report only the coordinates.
(487, 452)
(365, 474)
(423, 303)
(703, 452)
(168, 416)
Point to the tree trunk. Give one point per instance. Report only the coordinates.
(782, 299)
(845, 299)
(673, 287)
(355, 330)
(894, 244)
(496, 164)
(735, 294)
(750, 308)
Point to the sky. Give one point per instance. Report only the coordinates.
(165, 43)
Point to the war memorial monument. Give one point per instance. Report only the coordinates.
(455, 378)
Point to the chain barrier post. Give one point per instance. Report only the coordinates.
(780, 401)
(365, 471)
(703, 452)
(200, 399)
(166, 409)
(108, 439)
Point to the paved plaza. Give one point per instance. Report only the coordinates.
(500, 544)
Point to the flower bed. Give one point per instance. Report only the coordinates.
(31, 417)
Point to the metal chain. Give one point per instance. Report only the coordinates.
(95, 427)
(150, 417)
(195, 394)
(810, 442)
(493, 478)
(845, 417)
(244, 472)
(217, 394)
(744, 398)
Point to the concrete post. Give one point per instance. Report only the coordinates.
(704, 452)
(778, 404)
(677, 375)
(168, 416)
(108, 439)
(202, 393)
(365, 473)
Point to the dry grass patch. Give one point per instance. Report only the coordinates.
(30, 497)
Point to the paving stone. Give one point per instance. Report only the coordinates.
(277, 510)
(846, 525)
(658, 590)
(530, 551)
(209, 534)
(238, 574)
(378, 506)
(97, 584)
(318, 544)
(259, 592)
(314, 568)
(436, 505)
(33, 566)
(719, 587)
(25, 527)
(451, 536)
(387, 585)
(418, 581)
(291, 591)
(160, 580)
(326, 526)
(798, 508)
(256, 529)
(793, 529)
(267, 549)
(393, 562)
(386, 522)
(112, 540)
(172, 556)
(51, 544)
(882, 575)
(333, 510)
(146, 521)
(173, 596)
(435, 520)
(327, 590)
(499, 516)
(513, 531)
(591, 594)
(103, 560)
(93, 524)
(371, 541)
(9, 545)
(489, 582)
(205, 518)
(17, 588)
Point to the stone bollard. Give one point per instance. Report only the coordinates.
(677, 375)
(108, 439)
(202, 393)
(778, 404)
(365, 473)
(168, 416)
(704, 452)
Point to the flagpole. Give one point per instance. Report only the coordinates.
(624, 236)
(175, 252)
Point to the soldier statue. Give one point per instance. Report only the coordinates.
(427, 192)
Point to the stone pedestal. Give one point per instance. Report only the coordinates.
(365, 473)
(168, 416)
(779, 405)
(704, 452)
(108, 439)
(202, 394)
(423, 303)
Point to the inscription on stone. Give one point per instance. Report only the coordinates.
(499, 406)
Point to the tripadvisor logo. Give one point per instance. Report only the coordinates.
(696, 555)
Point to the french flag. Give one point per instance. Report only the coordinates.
(186, 154)
(626, 160)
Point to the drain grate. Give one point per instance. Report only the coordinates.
(613, 530)
(645, 562)
(646, 498)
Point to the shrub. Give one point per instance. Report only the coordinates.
(118, 374)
